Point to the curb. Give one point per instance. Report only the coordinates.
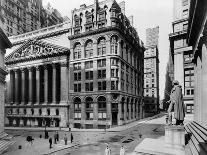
(61, 149)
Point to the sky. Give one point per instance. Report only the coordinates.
(146, 14)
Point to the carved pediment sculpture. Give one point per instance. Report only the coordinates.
(35, 49)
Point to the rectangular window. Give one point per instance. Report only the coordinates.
(101, 74)
(114, 72)
(114, 62)
(102, 63)
(88, 64)
(89, 86)
(77, 87)
(77, 66)
(114, 85)
(89, 75)
(102, 85)
(77, 76)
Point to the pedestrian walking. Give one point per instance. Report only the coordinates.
(71, 137)
(66, 139)
(50, 141)
(107, 151)
(57, 136)
(122, 150)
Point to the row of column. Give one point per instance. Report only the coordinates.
(30, 83)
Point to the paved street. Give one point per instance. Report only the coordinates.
(86, 143)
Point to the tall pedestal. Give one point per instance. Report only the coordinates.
(175, 137)
(171, 144)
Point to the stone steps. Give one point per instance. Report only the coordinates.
(3, 135)
(197, 144)
(4, 145)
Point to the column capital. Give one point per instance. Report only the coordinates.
(45, 66)
(22, 69)
(37, 68)
(29, 68)
(53, 65)
(63, 64)
(15, 70)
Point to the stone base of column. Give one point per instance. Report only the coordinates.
(95, 124)
(175, 137)
(30, 103)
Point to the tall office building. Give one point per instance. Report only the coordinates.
(106, 66)
(182, 53)
(21, 16)
(151, 72)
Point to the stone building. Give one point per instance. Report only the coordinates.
(106, 67)
(21, 16)
(197, 38)
(151, 72)
(182, 53)
(38, 79)
(4, 43)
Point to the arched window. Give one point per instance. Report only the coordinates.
(101, 102)
(57, 112)
(32, 111)
(48, 112)
(102, 46)
(114, 45)
(89, 102)
(77, 103)
(89, 49)
(77, 51)
(40, 112)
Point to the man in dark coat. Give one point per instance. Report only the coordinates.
(176, 101)
(50, 141)
(71, 137)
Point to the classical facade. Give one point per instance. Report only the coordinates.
(197, 38)
(151, 72)
(38, 79)
(4, 43)
(182, 53)
(106, 67)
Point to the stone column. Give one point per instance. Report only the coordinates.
(108, 114)
(45, 84)
(119, 48)
(11, 86)
(37, 84)
(130, 110)
(54, 83)
(83, 113)
(64, 83)
(16, 86)
(95, 114)
(30, 85)
(119, 113)
(125, 111)
(23, 89)
(133, 105)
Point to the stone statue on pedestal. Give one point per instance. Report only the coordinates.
(176, 103)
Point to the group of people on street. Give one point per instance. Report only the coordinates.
(108, 150)
(56, 139)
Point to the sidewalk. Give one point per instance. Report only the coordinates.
(113, 129)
